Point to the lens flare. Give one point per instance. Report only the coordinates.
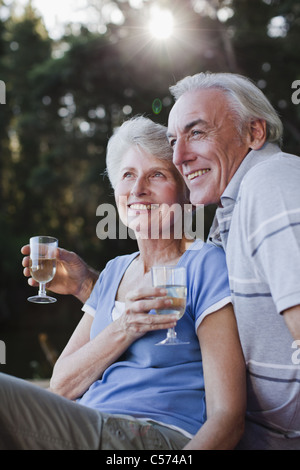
(157, 106)
(161, 23)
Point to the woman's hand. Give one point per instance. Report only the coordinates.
(73, 276)
(84, 360)
(136, 321)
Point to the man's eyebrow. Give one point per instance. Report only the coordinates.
(189, 126)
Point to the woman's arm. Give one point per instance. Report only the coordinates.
(83, 360)
(292, 319)
(225, 382)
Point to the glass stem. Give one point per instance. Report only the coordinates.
(171, 333)
(42, 289)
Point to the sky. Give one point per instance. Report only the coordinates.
(57, 12)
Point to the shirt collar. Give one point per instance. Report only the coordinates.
(252, 158)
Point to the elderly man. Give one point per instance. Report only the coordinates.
(225, 137)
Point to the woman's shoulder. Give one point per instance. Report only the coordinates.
(201, 257)
(200, 248)
(120, 261)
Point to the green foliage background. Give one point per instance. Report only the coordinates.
(64, 98)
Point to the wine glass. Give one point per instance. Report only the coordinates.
(173, 279)
(42, 265)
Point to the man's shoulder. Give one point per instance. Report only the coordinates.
(276, 170)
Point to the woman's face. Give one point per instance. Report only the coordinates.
(147, 187)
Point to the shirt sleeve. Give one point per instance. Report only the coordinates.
(210, 288)
(270, 199)
(90, 305)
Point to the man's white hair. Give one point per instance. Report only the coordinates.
(245, 99)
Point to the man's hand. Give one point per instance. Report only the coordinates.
(73, 276)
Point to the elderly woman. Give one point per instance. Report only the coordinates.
(117, 389)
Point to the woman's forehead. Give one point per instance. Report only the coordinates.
(137, 156)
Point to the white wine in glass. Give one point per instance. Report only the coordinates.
(42, 265)
(173, 279)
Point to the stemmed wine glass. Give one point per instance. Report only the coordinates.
(173, 279)
(42, 265)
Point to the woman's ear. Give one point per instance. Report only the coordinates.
(258, 133)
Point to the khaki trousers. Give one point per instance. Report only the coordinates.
(37, 419)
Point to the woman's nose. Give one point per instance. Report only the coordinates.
(139, 188)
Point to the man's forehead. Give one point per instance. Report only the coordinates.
(185, 119)
(195, 107)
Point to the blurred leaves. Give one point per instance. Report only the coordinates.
(65, 97)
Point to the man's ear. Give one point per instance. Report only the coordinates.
(258, 133)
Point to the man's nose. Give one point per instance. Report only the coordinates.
(180, 155)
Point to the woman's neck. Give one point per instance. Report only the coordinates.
(157, 252)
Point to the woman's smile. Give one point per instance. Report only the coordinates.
(138, 207)
(146, 193)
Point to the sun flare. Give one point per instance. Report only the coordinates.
(161, 23)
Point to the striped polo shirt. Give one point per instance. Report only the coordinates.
(258, 225)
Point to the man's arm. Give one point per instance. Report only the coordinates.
(73, 276)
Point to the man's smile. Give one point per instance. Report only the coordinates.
(197, 173)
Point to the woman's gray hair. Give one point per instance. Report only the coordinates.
(246, 99)
(138, 131)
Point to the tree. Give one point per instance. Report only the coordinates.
(66, 97)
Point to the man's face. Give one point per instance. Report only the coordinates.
(207, 145)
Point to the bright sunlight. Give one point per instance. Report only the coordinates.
(161, 23)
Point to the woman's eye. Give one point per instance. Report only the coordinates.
(127, 175)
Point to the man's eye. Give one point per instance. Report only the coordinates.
(127, 175)
(172, 142)
(196, 132)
